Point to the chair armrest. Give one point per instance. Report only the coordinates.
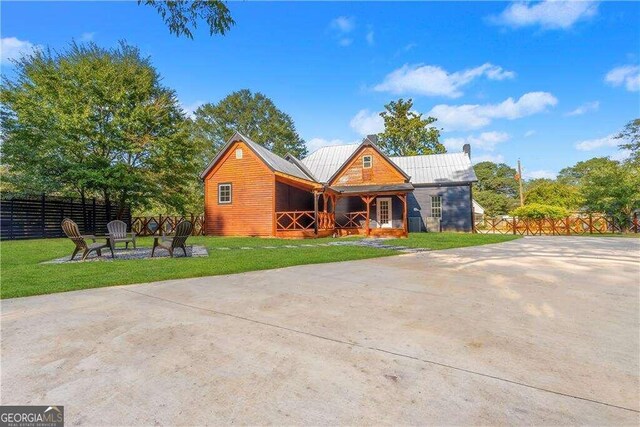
(90, 236)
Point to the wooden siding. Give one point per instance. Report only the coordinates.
(251, 211)
(381, 172)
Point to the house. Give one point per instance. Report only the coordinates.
(338, 190)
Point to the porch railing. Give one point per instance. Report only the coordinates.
(350, 219)
(304, 220)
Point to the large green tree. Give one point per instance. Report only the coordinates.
(573, 175)
(551, 192)
(496, 189)
(182, 16)
(630, 140)
(408, 133)
(252, 114)
(95, 121)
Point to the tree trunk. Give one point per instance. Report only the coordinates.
(122, 205)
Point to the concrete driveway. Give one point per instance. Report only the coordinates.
(537, 331)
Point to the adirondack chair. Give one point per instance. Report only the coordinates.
(70, 228)
(118, 233)
(182, 232)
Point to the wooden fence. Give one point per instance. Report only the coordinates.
(37, 217)
(165, 224)
(577, 224)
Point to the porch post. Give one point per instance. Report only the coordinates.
(315, 213)
(367, 200)
(404, 215)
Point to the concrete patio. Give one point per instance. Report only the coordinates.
(542, 330)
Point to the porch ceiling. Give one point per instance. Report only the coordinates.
(373, 189)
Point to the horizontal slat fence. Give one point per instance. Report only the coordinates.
(157, 225)
(37, 217)
(594, 223)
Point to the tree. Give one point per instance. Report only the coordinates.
(182, 16)
(612, 188)
(549, 192)
(407, 133)
(631, 135)
(574, 175)
(494, 203)
(497, 177)
(95, 121)
(540, 211)
(253, 115)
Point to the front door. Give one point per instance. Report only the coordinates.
(384, 212)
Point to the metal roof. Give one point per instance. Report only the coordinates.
(325, 161)
(347, 189)
(437, 168)
(272, 160)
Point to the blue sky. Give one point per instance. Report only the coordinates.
(547, 82)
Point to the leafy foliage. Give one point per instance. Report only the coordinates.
(540, 211)
(95, 121)
(496, 177)
(253, 115)
(182, 16)
(494, 203)
(546, 191)
(574, 175)
(631, 137)
(407, 133)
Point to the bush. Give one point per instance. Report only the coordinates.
(540, 211)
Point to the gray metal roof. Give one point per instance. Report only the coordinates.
(437, 168)
(325, 161)
(272, 160)
(347, 189)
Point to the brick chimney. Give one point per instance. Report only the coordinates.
(466, 148)
(373, 138)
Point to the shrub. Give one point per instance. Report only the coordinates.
(540, 211)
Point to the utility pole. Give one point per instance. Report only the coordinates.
(520, 182)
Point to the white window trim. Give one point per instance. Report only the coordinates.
(438, 207)
(225, 202)
(239, 153)
(386, 224)
(370, 162)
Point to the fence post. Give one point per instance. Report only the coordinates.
(567, 226)
(11, 225)
(93, 219)
(514, 225)
(590, 223)
(42, 216)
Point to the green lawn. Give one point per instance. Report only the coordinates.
(23, 275)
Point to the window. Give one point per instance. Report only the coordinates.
(436, 206)
(367, 161)
(238, 153)
(224, 193)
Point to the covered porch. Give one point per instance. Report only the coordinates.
(370, 210)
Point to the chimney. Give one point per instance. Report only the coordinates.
(466, 148)
(373, 138)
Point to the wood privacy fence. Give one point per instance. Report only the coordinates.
(164, 224)
(577, 224)
(37, 217)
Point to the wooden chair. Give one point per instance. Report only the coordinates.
(70, 228)
(182, 232)
(118, 233)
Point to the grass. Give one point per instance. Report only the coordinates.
(437, 241)
(23, 275)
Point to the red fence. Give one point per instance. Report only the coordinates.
(165, 224)
(577, 224)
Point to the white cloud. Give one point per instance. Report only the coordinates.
(486, 141)
(370, 38)
(189, 109)
(87, 37)
(432, 80)
(594, 144)
(546, 174)
(474, 116)
(584, 108)
(346, 41)
(315, 143)
(620, 155)
(13, 48)
(529, 133)
(627, 75)
(497, 158)
(343, 24)
(367, 123)
(548, 14)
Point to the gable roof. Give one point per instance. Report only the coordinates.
(272, 160)
(327, 164)
(438, 168)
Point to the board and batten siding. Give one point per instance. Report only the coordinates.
(456, 206)
(380, 172)
(251, 211)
